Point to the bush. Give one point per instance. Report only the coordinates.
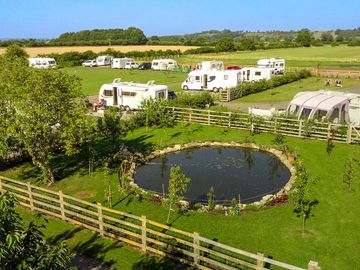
(198, 101)
(154, 113)
(245, 89)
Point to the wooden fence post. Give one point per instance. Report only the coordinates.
(100, 217)
(1, 189)
(313, 266)
(209, 117)
(196, 250)
(300, 127)
(260, 261)
(31, 200)
(229, 124)
(190, 113)
(143, 233)
(61, 200)
(349, 134)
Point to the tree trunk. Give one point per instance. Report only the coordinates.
(303, 225)
(46, 170)
(168, 217)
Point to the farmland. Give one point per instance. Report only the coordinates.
(34, 51)
(340, 56)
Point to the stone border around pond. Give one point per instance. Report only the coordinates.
(178, 147)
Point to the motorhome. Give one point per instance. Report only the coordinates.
(210, 65)
(254, 74)
(120, 62)
(278, 65)
(104, 60)
(334, 106)
(163, 64)
(215, 80)
(129, 95)
(42, 62)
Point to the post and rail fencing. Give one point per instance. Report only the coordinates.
(279, 125)
(140, 232)
(330, 73)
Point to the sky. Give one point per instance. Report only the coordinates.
(49, 18)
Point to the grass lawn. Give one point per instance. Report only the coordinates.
(332, 236)
(93, 78)
(341, 56)
(288, 91)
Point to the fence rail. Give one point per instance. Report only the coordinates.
(280, 125)
(140, 232)
(330, 73)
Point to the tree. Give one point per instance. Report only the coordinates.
(225, 45)
(301, 194)
(14, 51)
(111, 125)
(177, 187)
(42, 112)
(22, 246)
(349, 171)
(304, 37)
(327, 37)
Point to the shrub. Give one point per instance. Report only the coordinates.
(154, 113)
(199, 101)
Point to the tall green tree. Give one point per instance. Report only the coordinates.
(178, 183)
(304, 37)
(43, 112)
(22, 246)
(302, 194)
(225, 45)
(111, 126)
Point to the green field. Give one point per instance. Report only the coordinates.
(332, 236)
(288, 91)
(326, 56)
(93, 78)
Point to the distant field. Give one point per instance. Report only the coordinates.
(93, 78)
(341, 56)
(47, 50)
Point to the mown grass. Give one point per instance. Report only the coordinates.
(332, 237)
(93, 78)
(340, 56)
(288, 91)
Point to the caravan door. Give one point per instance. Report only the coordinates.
(115, 96)
(205, 81)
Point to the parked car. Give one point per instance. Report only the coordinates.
(145, 65)
(171, 94)
(89, 63)
(131, 65)
(233, 68)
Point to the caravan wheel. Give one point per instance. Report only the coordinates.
(121, 107)
(127, 108)
(215, 89)
(220, 89)
(185, 87)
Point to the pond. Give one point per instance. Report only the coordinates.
(247, 172)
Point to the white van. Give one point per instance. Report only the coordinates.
(163, 64)
(215, 80)
(120, 62)
(42, 62)
(128, 95)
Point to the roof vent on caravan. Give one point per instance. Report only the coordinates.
(117, 80)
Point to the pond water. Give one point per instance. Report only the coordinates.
(231, 171)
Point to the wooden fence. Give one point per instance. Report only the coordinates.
(330, 73)
(278, 125)
(140, 232)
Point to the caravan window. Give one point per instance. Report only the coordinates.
(155, 63)
(334, 117)
(108, 93)
(161, 95)
(319, 114)
(128, 94)
(211, 78)
(197, 78)
(293, 109)
(226, 77)
(258, 73)
(281, 64)
(305, 113)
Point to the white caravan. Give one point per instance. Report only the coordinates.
(215, 80)
(42, 62)
(129, 95)
(334, 106)
(120, 62)
(278, 65)
(210, 65)
(163, 64)
(254, 74)
(104, 60)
